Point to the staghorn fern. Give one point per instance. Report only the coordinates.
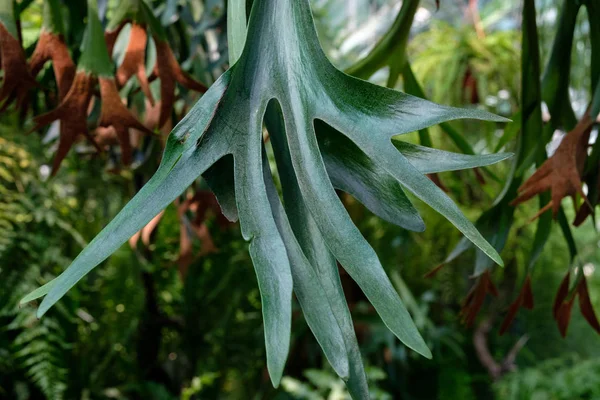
(328, 130)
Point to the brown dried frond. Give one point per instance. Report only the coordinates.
(563, 316)
(17, 79)
(51, 46)
(169, 72)
(476, 296)
(134, 62)
(561, 173)
(72, 113)
(585, 305)
(561, 294)
(524, 299)
(114, 113)
(563, 305)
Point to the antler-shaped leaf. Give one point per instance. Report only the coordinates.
(282, 61)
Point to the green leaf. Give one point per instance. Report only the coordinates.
(428, 160)
(53, 17)
(7, 17)
(353, 172)
(283, 61)
(313, 245)
(37, 293)
(308, 289)
(396, 113)
(236, 28)
(94, 53)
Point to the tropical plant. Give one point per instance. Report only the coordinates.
(276, 137)
(224, 129)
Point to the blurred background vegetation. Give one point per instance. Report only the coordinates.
(135, 329)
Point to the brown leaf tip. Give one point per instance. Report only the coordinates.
(51, 46)
(17, 80)
(524, 299)
(115, 114)
(169, 72)
(475, 298)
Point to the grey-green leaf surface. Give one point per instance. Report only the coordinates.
(428, 160)
(314, 247)
(308, 289)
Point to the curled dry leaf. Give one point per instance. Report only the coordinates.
(524, 299)
(17, 80)
(169, 72)
(476, 296)
(52, 46)
(134, 62)
(561, 173)
(114, 113)
(72, 113)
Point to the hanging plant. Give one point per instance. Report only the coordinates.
(94, 65)
(51, 46)
(329, 130)
(166, 69)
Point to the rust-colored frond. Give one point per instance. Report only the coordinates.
(524, 299)
(564, 303)
(51, 46)
(585, 305)
(561, 294)
(476, 296)
(169, 72)
(563, 316)
(561, 173)
(17, 80)
(72, 113)
(134, 62)
(114, 113)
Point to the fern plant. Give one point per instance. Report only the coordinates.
(33, 349)
(328, 131)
